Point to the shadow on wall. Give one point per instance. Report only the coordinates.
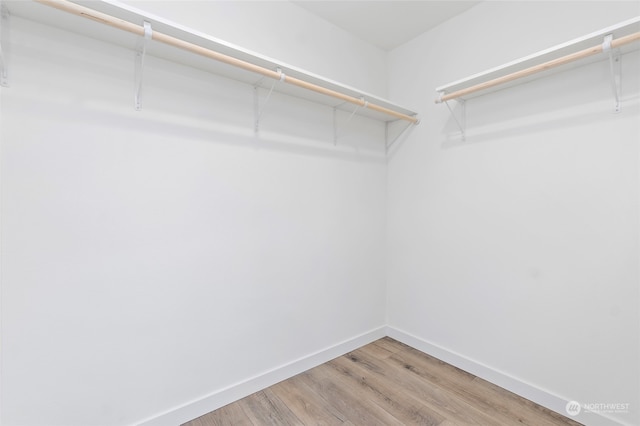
(531, 124)
(186, 103)
(399, 132)
(356, 145)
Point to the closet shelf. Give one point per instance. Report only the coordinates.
(183, 45)
(625, 37)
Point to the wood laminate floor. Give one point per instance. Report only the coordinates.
(383, 383)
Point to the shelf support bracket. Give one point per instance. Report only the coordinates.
(141, 51)
(462, 123)
(615, 68)
(336, 131)
(4, 45)
(389, 144)
(256, 99)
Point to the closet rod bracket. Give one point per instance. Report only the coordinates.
(256, 98)
(462, 122)
(141, 51)
(615, 70)
(336, 131)
(390, 143)
(4, 45)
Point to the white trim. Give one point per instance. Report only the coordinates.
(222, 397)
(499, 378)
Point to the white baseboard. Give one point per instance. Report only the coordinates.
(222, 397)
(517, 386)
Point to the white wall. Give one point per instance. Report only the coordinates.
(517, 250)
(153, 258)
(285, 31)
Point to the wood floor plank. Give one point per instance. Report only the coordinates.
(457, 382)
(465, 386)
(306, 404)
(437, 400)
(265, 408)
(526, 412)
(427, 366)
(350, 401)
(378, 351)
(391, 398)
(384, 383)
(391, 345)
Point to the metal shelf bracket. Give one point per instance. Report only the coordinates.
(615, 67)
(336, 131)
(462, 123)
(4, 45)
(256, 98)
(390, 142)
(141, 50)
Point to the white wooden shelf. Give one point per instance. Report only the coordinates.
(47, 15)
(622, 29)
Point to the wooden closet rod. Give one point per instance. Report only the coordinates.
(615, 43)
(104, 18)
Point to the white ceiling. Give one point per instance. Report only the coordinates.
(387, 23)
